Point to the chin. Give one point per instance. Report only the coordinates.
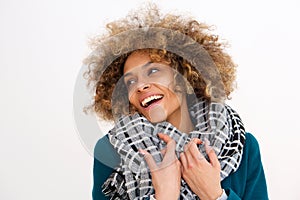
(156, 120)
(156, 114)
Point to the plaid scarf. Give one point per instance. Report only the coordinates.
(216, 122)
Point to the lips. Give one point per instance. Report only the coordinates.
(151, 99)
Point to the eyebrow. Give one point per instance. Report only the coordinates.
(143, 66)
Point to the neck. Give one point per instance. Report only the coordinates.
(182, 119)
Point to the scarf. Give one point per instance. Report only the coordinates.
(217, 122)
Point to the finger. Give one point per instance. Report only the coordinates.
(188, 156)
(208, 148)
(149, 160)
(170, 151)
(197, 140)
(164, 137)
(193, 140)
(214, 159)
(170, 156)
(163, 151)
(212, 155)
(194, 151)
(171, 146)
(183, 160)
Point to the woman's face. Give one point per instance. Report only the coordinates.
(151, 88)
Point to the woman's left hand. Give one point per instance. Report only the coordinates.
(203, 177)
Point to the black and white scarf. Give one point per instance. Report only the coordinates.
(216, 122)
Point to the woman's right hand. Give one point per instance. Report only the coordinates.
(166, 177)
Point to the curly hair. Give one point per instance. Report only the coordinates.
(106, 79)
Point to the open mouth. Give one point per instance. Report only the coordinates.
(150, 100)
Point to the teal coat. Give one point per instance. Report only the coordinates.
(248, 182)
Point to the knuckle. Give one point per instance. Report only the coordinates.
(190, 166)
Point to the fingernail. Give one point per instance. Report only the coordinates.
(197, 141)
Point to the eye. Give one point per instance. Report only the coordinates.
(152, 71)
(130, 82)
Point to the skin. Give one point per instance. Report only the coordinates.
(165, 177)
(144, 79)
(202, 176)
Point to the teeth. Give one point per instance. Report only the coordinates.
(148, 99)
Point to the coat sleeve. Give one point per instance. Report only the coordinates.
(255, 186)
(105, 160)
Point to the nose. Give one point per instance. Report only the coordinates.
(143, 87)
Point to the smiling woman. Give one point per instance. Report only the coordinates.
(151, 90)
(174, 137)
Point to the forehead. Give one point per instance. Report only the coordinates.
(136, 59)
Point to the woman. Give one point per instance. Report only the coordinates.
(163, 79)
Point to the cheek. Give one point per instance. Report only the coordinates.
(165, 80)
(133, 100)
(176, 95)
(169, 83)
(130, 92)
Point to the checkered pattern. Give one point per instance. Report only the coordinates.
(216, 122)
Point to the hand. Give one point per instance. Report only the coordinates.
(203, 177)
(166, 177)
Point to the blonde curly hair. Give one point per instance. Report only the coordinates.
(105, 64)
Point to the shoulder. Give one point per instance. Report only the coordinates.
(251, 160)
(251, 138)
(251, 144)
(248, 182)
(105, 153)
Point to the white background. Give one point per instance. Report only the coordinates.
(42, 44)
